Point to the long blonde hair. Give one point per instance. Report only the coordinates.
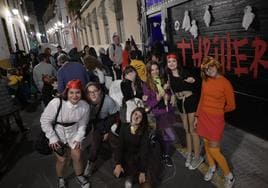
(207, 62)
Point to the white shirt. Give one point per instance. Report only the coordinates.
(78, 113)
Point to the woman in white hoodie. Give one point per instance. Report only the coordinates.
(69, 130)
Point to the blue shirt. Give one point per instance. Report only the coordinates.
(70, 71)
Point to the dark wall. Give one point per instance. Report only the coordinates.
(250, 84)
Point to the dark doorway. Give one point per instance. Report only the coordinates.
(154, 28)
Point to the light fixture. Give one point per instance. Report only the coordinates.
(26, 18)
(15, 11)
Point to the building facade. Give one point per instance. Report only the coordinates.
(13, 16)
(234, 32)
(57, 24)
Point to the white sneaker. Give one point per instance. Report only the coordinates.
(84, 183)
(196, 162)
(229, 181)
(128, 183)
(61, 183)
(211, 170)
(113, 129)
(88, 169)
(188, 160)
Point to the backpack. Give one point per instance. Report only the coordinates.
(107, 51)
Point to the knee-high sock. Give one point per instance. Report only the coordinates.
(210, 159)
(217, 156)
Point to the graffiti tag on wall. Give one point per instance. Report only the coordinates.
(223, 49)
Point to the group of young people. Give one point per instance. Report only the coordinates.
(86, 120)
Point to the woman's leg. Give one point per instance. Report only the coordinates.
(212, 167)
(214, 149)
(194, 135)
(187, 132)
(197, 159)
(210, 159)
(60, 165)
(76, 155)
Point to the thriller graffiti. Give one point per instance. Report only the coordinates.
(224, 50)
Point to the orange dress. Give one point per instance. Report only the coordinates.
(217, 97)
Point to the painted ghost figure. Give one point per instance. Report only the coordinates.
(163, 27)
(248, 17)
(194, 29)
(186, 24)
(207, 16)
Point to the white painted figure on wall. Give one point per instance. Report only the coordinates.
(248, 17)
(177, 25)
(186, 24)
(163, 28)
(194, 29)
(207, 16)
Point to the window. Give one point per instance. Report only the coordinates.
(89, 24)
(119, 19)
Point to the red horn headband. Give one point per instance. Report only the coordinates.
(74, 84)
(169, 56)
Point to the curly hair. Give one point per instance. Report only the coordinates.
(207, 62)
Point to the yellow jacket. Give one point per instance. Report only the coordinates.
(140, 68)
(14, 80)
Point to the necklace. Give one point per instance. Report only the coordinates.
(133, 129)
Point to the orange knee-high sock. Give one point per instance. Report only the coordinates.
(210, 159)
(217, 156)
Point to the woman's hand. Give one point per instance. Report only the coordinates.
(166, 86)
(77, 145)
(118, 170)
(105, 137)
(189, 80)
(173, 100)
(166, 97)
(158, 97)
(55, 146)
(142, 178)
(144, 98)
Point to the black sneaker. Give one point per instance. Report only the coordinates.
(168, 161)
(25, 130)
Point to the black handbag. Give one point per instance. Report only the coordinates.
(42, 143)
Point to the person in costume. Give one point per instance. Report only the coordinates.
(185, 89)
(157, 96)
(217, 97)
(65, 139)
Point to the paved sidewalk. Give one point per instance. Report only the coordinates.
(33, 170)
(247, 154)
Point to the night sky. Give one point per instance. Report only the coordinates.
(40, 7)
